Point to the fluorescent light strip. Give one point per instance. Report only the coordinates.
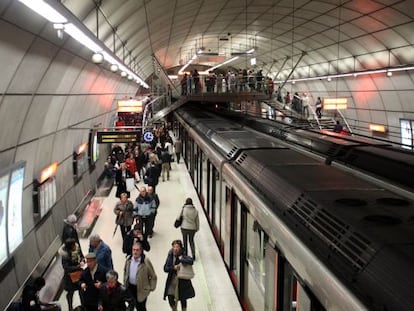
(83, 37)
(355, 74)
(45, 10)
(223, 63)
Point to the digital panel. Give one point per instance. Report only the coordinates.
(406, 134)
(4, 182)
(95, 148)
(80, 164)
(118, 137)
(47, 196)
(14, 213)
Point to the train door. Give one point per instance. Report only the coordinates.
(194, 164)
(255, 273)
(235, 239)
(203, 179)
(293, 295)
(199, 158)
(214, 197)
(271, 278)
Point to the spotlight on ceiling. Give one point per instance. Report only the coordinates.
(389, 73)
(97, 58)
(130, 77)
(114, 68)
(123, 74)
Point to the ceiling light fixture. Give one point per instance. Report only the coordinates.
(353, 74)
(97, 58)
(223, 63)
(58, 14)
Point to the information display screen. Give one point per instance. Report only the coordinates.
(80, 164)
(4, 183)
(118, 137)
(95, 148)
(47, 196)
(14, 213)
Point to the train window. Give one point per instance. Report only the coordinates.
(295, 296)
(271, 276)
(216, 213)
(205, 180)
(256, 242)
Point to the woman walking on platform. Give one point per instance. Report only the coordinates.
(177, 289)
(190, 225)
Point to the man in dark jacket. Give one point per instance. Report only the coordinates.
(132, 237)
(91, 281)
(113, 295)
(144, 209)
(69, 229)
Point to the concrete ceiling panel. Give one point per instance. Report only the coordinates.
(391, 17)
(61, 74)
(12, 51)
(392, 101)
(13, 110)
(68, 108)
(7, 157)
(27, 153)
(32, 67)
(35, 118)
(380, 117)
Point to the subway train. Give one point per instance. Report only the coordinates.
(363, 153)
(294, 232)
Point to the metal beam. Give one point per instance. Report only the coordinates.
(293, 69)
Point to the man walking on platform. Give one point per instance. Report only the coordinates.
(177, 146)
(139, 277)
(91, 281)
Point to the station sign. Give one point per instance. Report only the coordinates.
(109, 137)
(148, 136)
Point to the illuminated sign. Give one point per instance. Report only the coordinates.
(15, 205)
(4, 184)
(118, 137)
(335, 103)
(377, 128)
(130, 105)
(48, 172)
(148, 137)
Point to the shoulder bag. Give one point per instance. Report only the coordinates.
(179, 220)
(75, 276)
(185, 272)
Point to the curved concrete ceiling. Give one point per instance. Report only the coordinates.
(338, 35)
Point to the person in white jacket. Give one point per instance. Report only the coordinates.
(189, 226)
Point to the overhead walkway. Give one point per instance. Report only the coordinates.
(212, 284)
(209, 98)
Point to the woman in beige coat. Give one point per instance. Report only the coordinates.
(190, 225)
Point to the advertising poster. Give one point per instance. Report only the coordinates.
(406, 134)
(4, 182)
(14, 215)
(95, 149)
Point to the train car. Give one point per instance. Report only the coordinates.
(376, 157)
(295, 233)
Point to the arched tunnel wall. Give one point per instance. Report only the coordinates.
(51, 95)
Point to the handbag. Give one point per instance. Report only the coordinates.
(75, 276)
(130, 183)
(178, 221)
(185, 272)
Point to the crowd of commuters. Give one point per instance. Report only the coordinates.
(233, 81)
(94, 276)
